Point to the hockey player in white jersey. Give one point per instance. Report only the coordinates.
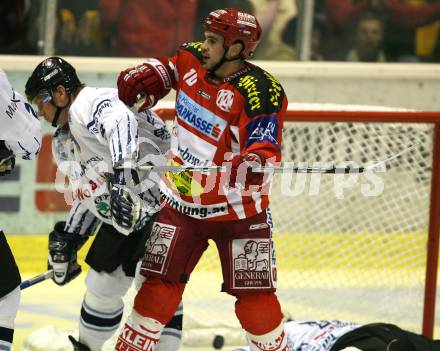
(333, 335)
(20, 136)
(99, 140)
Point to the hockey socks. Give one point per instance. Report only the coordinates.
(6, 336)
(100, 318)
(8, 311)
(276, 340)
(139, 333)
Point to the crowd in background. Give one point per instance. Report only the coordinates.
(343, 30)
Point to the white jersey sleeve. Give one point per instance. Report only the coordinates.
(80, 220)
(154, 142)
(102, 114)
(19, 124)
(314, 335)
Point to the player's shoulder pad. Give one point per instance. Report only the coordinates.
(263, 94)
(194, 48)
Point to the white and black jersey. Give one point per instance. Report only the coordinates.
(103, 133)
(332, 335)
(314, 335)
(19, 124)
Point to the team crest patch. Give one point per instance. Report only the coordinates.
(252, 263)
(158, 246)
(225, 98)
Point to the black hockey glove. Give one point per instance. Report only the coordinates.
(125, 205)
(7, 159)
(63, 247)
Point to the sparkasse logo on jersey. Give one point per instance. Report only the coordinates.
(225, 98)
(199, 117)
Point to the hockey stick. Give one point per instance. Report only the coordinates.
(328, 168)
(37, 279)
(275, 169)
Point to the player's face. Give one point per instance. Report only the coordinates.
(212, 50)
(44, 108)
(47, 105)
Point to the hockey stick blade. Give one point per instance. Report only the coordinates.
(37, 279)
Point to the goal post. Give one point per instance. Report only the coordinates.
(400, 229)
(433, 241)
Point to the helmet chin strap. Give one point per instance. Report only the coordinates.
(223, 60)
(58, 112)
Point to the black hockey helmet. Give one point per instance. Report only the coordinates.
(50, 73)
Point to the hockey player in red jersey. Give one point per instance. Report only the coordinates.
(228, 112)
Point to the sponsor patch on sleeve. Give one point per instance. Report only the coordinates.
(263, 129)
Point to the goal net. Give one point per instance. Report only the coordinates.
(348, 246)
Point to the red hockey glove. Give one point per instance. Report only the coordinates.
(241, 175)
(150, 81)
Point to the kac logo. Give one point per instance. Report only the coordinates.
(225, 98)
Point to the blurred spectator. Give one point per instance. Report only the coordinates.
(368, 40)
(78, 29)
(145, 28)
(412, 28)
(340, 18)
(288, 37)
(341, 12)
(14, 17)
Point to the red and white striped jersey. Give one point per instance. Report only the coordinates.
(216, 120)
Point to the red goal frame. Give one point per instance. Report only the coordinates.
(434, 212)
